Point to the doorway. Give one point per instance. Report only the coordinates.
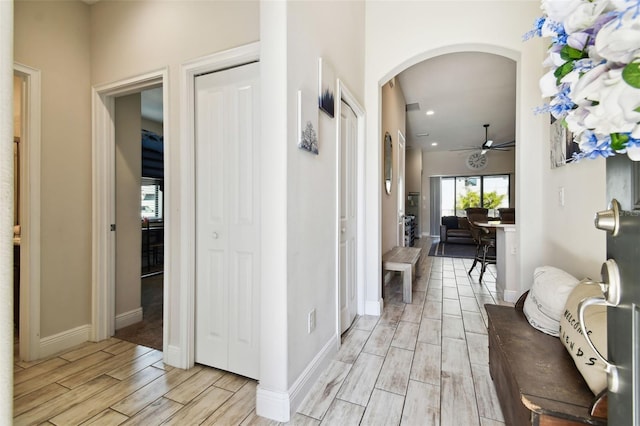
(27, 231)
(105, 225)
(139, 188)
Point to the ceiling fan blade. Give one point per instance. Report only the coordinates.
(504, 145)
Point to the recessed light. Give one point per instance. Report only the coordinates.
(434, 143)
(430, 112)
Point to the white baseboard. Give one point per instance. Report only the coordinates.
(278, 405)
(56, 343)
(128, 318)
(373, 308)
(172, 357)
(273, 405)
(310, 375)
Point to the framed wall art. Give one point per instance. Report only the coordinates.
(307, 124)
(326, 87)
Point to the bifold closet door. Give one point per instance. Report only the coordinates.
(228, 219)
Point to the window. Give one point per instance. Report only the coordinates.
(151, 197)
(460, 192)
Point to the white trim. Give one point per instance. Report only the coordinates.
(280, 405)
(374, 308)
(30, 214)
(103, 196)
(298, 391)
(62, 341)
(273, 405)
(345, 94)
(127, 318)
(188, 72)
(172, 354)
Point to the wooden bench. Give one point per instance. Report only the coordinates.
(403, 260)
(535, 378)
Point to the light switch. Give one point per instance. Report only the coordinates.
(561, 196)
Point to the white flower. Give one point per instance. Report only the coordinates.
(584, 16)
(619, 40)
(548, 85)
(558, 10)
(609, 100)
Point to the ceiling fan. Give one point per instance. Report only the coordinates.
(488, 144)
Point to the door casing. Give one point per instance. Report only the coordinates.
(103, 197)
(29, 345)
(183, 354)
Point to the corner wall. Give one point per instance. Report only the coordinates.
(311, 181)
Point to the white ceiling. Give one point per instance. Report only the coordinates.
(465, 90)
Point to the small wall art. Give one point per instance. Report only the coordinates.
(307, 124)
(562, 145)
(326, 87)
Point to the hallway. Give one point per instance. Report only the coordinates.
(420, 364)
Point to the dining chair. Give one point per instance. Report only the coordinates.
(485, 248)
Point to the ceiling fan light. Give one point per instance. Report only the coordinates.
(488, 143)
(483, 152)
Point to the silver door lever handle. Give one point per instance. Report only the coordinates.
(609, 220)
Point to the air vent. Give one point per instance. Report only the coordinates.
(413, 107)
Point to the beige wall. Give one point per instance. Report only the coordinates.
(128, 160)
(54, 38)
(393, 120)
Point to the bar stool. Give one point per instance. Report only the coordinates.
(485, 248)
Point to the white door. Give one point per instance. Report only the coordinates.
(228, 220)
(348, 226)
(401, 194)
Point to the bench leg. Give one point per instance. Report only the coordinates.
(406, 284)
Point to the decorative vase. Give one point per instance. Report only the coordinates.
(634, 153)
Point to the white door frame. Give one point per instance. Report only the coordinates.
(183, 355)
(30, 213)
(345, 94)
(103, 196)
(400, 200)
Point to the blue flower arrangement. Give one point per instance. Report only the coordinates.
(594, 72)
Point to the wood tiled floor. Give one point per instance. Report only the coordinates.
(425, 363)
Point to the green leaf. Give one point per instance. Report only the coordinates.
(631, 74)
(568, 53)
(563, 70)
(618, 141)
